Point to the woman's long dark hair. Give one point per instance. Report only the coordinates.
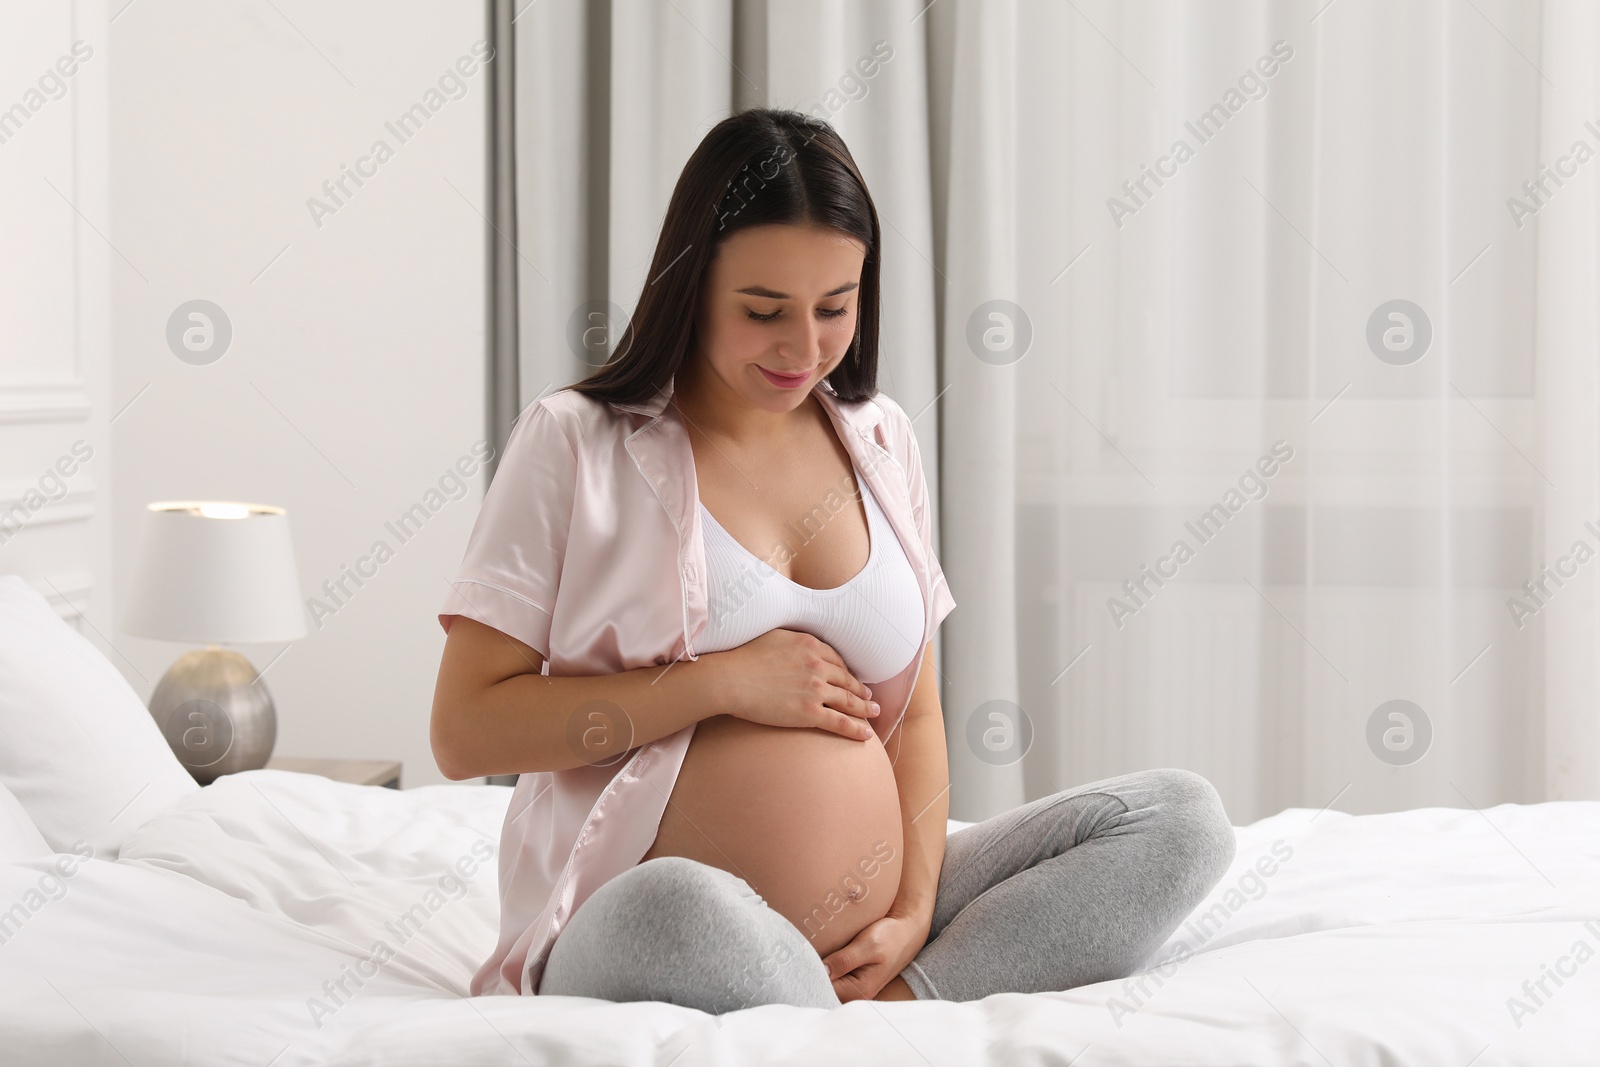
(759, 166)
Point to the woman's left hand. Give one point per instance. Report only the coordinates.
(876, 955)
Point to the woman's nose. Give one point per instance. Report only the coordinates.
(804, 341)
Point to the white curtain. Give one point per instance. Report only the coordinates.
(1332, 345)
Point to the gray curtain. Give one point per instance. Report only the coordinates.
(502, 398)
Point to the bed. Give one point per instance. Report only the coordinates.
(278, 918)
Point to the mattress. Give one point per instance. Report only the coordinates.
(282, 918)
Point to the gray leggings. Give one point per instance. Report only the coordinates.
(1077, 887)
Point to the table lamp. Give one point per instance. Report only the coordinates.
(215, 572)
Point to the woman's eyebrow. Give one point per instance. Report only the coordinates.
(771, 294)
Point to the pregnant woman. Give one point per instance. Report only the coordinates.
(695, 617)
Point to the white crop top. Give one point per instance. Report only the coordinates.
(874, 620)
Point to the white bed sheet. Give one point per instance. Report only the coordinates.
(1375, 939)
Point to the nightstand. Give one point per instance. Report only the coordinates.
(384, 772)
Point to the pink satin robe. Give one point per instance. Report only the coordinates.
(592, 514)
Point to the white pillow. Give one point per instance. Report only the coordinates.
(19, 838)
(78, 748)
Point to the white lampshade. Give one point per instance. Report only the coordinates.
(215, 572)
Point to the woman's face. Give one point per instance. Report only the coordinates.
(777, 312)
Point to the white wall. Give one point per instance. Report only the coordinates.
(354, 379)
(55, 458)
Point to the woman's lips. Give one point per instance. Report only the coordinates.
(785, 381)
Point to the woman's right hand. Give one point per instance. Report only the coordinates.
(791, 678)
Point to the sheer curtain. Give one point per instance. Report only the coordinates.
(1252, 350)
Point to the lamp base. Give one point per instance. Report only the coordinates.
(215, 713)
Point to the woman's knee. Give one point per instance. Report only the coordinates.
(1194, 812)
(672, 895)
(659, 910)
(678, 930)
(679, 881)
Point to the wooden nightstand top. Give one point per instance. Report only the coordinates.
(384, 772)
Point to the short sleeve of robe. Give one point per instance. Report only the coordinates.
(511, 570)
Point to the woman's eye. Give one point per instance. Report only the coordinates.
(827, 313)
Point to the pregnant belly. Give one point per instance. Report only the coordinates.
(810, 819)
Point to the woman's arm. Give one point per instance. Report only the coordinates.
(922, 776)
(494, 713)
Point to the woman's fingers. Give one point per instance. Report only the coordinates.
(849, 726)
(848, 702)
(850, 698)
(840, 674)
(842, 961)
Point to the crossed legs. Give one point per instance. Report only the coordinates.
(1076, 887)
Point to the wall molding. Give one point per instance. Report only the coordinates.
(44, 402)
(76, 506)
